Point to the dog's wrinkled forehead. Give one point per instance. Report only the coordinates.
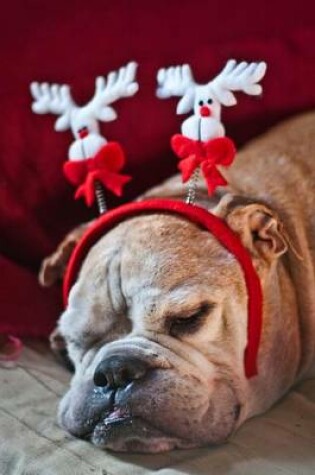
(157, 251)
(146, 272)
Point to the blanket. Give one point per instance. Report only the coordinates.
(280, 442)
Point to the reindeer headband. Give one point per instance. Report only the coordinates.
(93, 161)
(201, 147)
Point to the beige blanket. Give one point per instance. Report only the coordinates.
(280, 442)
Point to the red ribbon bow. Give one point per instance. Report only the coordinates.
(207, 155)
(103, 167)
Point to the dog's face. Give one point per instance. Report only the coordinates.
(156, 327)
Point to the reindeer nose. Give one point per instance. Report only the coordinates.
(205, 111)
(84, 132)
(118, 371)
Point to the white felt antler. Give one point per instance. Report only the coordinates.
(174, 81)
(238, 77)
(118, 84)
(177, 81)
(55, 99)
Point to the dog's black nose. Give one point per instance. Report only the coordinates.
(118, 371)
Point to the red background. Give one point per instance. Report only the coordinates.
(74, 41)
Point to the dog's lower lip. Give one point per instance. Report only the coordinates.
(115, 425)
(135, 435)
(118, 416)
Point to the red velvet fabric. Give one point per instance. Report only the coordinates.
(73, 42)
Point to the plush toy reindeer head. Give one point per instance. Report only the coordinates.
(206, 99)
(83, 121)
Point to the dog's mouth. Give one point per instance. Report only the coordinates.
(122, 432)
(138, 419)
(118, 430)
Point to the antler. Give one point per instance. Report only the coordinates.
(55, 99)
(118, 84)
(174, 81)
(238, 77)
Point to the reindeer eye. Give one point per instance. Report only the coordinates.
(210, 101)
(200, 103)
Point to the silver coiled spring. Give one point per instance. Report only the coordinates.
(100, 198)
(192, 187)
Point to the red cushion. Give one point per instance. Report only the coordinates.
(75, 41)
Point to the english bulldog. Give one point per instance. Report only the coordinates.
(155, 325)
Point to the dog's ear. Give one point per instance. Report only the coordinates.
(259, 227)
(53, 267)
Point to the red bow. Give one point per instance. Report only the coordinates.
(207, 155)
(103, 167)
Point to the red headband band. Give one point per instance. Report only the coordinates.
(204, 219)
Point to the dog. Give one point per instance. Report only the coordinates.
(155, 325)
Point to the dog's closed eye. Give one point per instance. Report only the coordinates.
(187, 324)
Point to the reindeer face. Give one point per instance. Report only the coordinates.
(83, 123)
(205, 104)
(206, 99)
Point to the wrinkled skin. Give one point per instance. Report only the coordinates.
(160, 289)
(142, 276)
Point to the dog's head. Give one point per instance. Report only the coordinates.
(156, 328)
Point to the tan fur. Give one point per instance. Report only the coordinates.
(151, 269)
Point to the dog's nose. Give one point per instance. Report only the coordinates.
(118, 371)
